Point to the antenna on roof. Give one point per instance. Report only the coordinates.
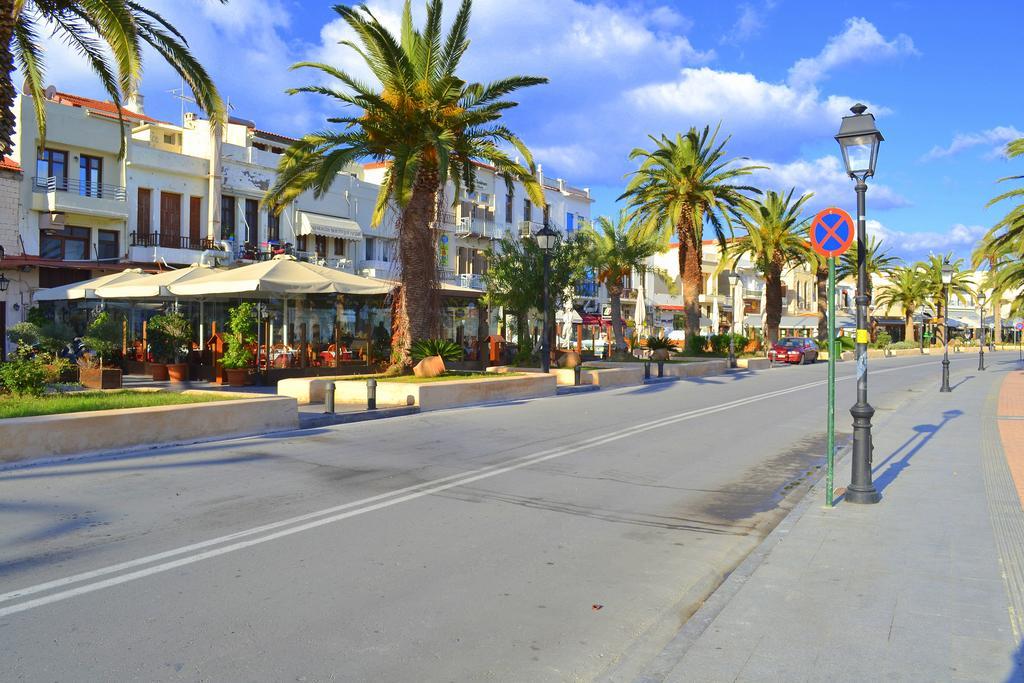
(181, 94)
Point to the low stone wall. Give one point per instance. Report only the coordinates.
(47, 436)
(698, 368)
(754, 363)
(449, 393)
(605, 378)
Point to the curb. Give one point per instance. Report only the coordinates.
(313, 420)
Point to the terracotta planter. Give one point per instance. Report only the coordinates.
(236, 376)
(178, 372)
(158, 371)
(100, 378)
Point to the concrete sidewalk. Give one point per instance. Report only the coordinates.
(928, 585)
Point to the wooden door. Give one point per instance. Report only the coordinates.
(170, 219)
(194, 220)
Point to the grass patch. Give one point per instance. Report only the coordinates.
(89, 401)
(446, 377)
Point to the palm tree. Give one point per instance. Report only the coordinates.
(1003, 246)
(908, 288)
(617, 249)
(878, 263)
(682, 183)
(1008, 233)
(959, 287)
(430, 126)
(775, 241)
(995, 258)
(108, 35)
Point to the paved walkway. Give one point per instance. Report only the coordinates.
(926, 586)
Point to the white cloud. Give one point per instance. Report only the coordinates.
(917, 244)
(860, 42)
(827, 179)
(748, 25)
(993, 138)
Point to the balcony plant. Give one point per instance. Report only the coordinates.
(238, 358)
(103, 337)
(169, 337)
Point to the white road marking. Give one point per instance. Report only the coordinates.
(341, 512)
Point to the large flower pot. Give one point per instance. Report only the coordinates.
(178, 372)
(158, 371)
(100, 378)
(237, 376)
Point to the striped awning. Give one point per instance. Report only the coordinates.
(328, 226)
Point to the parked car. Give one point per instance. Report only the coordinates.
(794, 350)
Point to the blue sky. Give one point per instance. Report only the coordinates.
(778, 74)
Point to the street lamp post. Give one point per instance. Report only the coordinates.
(947, 279)
(981, 331)
(734, 279)
(859, 141)
(546, 240)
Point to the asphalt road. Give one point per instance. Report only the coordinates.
(557, 539)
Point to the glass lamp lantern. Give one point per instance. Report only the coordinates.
(546, 239)
(859, 141)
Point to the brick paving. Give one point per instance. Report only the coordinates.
(1011, 427)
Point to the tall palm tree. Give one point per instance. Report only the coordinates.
(775, 241)
(959, 287)
(430, 126)
(108, 35)
(617, 249)
(878, 263)
(908, 288)
(1003, 246)
(681, 183)
(1009, 231)
(995, 258)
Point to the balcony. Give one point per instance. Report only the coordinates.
(588, 290)
(52, 194)
(154, 247)
(720, 299)
(629, 293)
(471, 280)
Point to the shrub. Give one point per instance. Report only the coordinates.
(901, 345)
(846, 343)
(882, 340)
(524, 353)
(169, 334)
(241, 333)
(655, 343)
(24, 376)
(449, 351)
(25, 335)
(104, 335)
(55, 337)
(696, 344)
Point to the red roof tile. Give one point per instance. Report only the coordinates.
(100, 106)
(9, 164)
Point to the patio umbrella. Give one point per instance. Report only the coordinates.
(153, 286)
(640, 312)
(281, 276)
(87, 288)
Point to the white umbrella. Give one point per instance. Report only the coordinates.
(640, 312)
(153, 286)
(87, 288)
(283, 276)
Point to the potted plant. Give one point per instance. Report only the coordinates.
(238, 358)
(169, 336)
(102, 338)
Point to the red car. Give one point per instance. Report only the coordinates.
(794, 350)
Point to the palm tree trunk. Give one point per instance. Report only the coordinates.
(773, 302)
(615, 297)
(997, 318)
(8, 92)
(821, 285)
(690, 258)
(908, 325)
(418, 314)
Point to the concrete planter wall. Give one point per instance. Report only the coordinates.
(44, 436)
(700, 368)
(754, 363)
(606, 378)
(447, 394)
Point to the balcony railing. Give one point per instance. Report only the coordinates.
(589, 289)
(85, 188)
(170, 241)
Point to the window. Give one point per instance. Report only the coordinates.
(90, 176)
(508, 207)
(527, 210)
(252, 221)
(170, 219)
(52, 163)
(570, 226)
(302, 242)
(321, 245)
(69, 244)
(227, 217)
(369, 246)
(339, 246)
(107, 244)
(273, 227)
(385, 252)
(170, 138)
(142, 220)
(195, 220)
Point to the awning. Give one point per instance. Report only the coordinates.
(87, 288)
(279, 276)
(328, 226)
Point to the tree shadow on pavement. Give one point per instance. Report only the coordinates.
(922, 435)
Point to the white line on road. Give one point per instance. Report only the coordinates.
(338, 513)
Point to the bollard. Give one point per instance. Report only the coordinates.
(329, 398)
(661, 368)
(647, 369)
(576, 374)
(371, 394)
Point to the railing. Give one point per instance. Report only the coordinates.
(471, 280)
(629, 293)
(170, 241)
(589, 289)
(85, 188)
